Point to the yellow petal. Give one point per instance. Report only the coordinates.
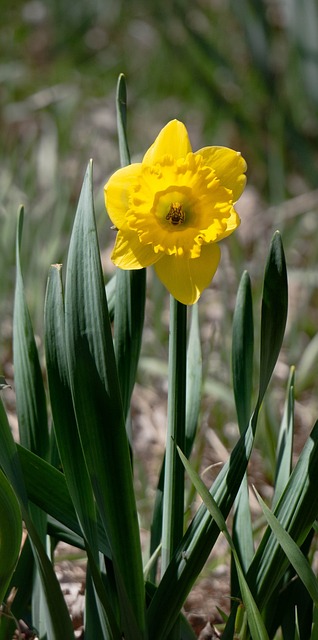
(117, 191)
(173, 140)
(129, 253)
(229, 167)
(186, 278)
(232, 223)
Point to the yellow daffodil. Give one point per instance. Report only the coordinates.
(173, 208)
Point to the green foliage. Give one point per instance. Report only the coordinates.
(10, 533)
(84, 492)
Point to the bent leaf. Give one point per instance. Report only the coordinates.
(10, 533)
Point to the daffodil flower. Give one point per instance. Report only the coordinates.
(173, 208)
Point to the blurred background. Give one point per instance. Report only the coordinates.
(240, 73)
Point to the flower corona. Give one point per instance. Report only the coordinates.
(173, 208)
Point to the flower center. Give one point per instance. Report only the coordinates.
(176, 214)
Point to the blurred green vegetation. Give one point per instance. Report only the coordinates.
(242, 73)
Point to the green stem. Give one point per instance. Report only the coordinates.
(173, 501)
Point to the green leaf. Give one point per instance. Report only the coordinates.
(121, 104)
(130, 295)
(110, 295)
(10, 533)
(47, 488)
(242, 351)
(314, 633)
(202, 533)
(296, 511)
(67, 437)
(242, 368)
(57, 619)
(28, 380)
(285, 442)
(22, 581)
(9, 460)
(255, 620)
(98, 407)
(292, 551)
(30, 406)
(274, 311)
(128, 326)
(194, 379)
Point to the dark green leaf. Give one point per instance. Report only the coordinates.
(296, 511)
(274, 311)
(121, 103)
(30, 395)
(292, 551)
(202, 533)
(242, 351)
(255, 621)
(130, 287)
(98, 407)
(285, 443)
(10, 533)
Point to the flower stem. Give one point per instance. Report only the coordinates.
(173, 500)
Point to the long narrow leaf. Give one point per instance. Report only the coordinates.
(194, 379)
(28, 380)
(121, 104)
(67, 436)
(30, 401)
(98, 408)
(203, 531)
(242, 367)
(255, 620)
(47, 488)
(296, 511)
(275, 292)
(293, 552)
(64, 419)
(57, 619)
(130, 287)
(242, 351)
(285, 443)
(10, 533)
